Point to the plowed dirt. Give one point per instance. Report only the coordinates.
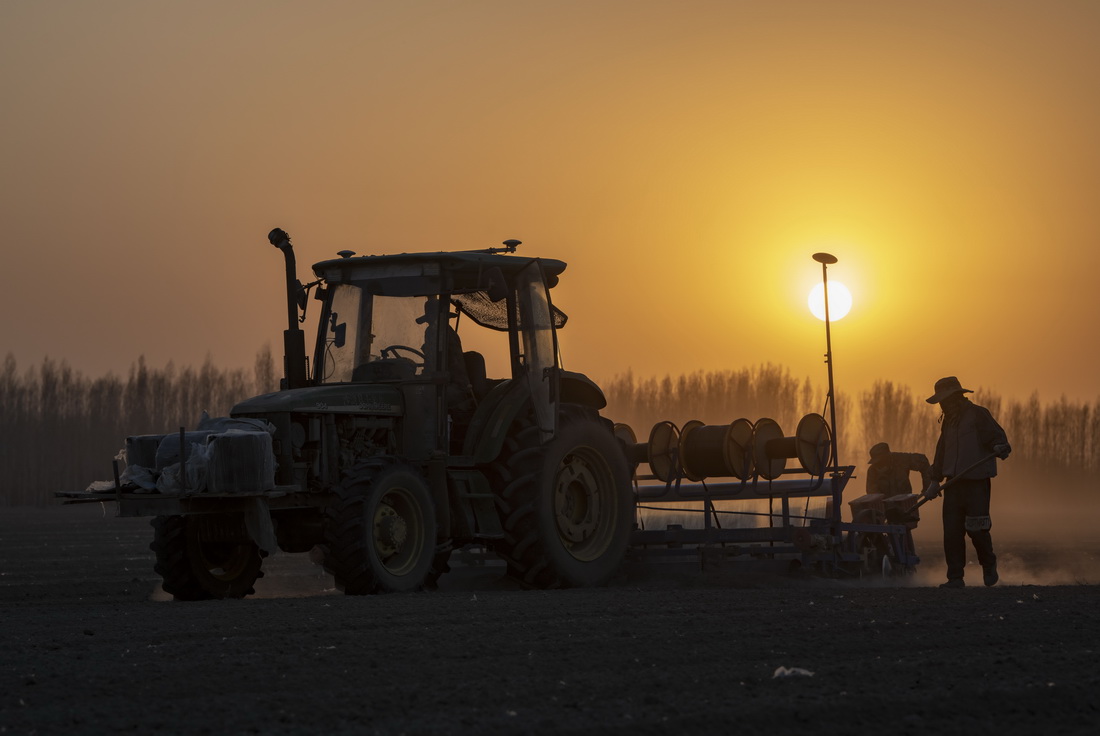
(90, 645)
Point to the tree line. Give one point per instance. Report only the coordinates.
(60, 429)
(1057, 437)
(720, 397)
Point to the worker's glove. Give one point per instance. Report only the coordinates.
(932, 491)
(1002, 450)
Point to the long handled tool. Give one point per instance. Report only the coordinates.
(897, 516)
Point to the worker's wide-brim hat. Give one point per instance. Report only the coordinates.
(946, 387)
(879, 449)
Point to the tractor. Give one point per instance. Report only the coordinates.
(392, 446)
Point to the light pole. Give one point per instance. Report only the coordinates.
(825, 259)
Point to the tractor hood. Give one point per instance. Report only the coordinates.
(344, 398)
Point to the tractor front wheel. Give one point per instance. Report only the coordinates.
(380, 534)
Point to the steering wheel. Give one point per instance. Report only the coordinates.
(391, 351)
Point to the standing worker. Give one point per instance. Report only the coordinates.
(969, 439)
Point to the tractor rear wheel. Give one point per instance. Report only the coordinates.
(203, 558)
(566, 506)
(380, 535)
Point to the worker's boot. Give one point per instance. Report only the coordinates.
(953, 583)
(989, 574)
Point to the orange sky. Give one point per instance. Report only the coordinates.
(686, 159)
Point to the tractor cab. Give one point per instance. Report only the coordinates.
(401, 319)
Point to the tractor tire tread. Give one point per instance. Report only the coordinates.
(347, 554)
(516, 474)
(178, 574)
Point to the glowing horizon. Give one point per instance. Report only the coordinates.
(685, 160)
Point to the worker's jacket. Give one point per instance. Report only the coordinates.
(966, 436)
(889, 474)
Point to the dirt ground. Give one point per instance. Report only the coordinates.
(90, 645)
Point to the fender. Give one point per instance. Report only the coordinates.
(577, 388)
(499, 409)
(493, 417)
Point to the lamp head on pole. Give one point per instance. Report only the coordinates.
(825, 258)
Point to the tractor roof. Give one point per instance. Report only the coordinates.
(427, 272)
(464, 275)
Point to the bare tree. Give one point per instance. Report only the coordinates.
(59, 430)
(890, 413)
(264, 371)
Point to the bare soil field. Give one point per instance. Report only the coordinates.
(90, 645)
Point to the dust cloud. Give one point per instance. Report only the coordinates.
(1044, 530)
(1042, 536)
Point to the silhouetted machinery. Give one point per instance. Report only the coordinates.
(393, 446)
(713, 467)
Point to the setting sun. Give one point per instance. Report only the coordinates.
(840, 300)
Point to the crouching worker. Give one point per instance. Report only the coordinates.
(888, 472)
(966, 455)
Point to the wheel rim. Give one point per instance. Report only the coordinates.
(398, 531)
(874, 560)
(585, 504)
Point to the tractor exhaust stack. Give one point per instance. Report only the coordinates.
(294, 340)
